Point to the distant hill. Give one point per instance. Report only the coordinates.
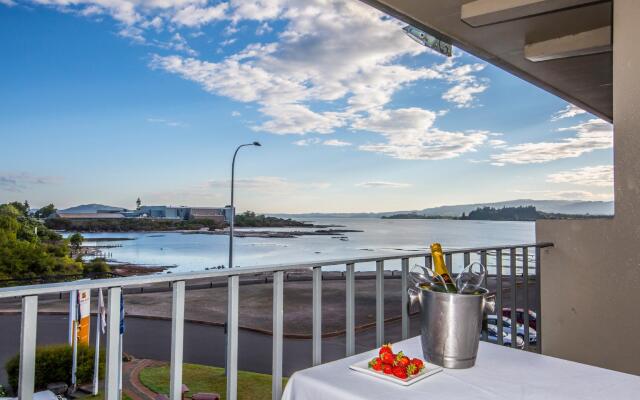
(89, 208)
(570, 207)
(574, 207)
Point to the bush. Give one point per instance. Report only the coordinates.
(53, 364)
(96, 266)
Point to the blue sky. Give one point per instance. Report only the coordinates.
(104, 101)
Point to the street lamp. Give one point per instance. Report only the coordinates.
(233, 211)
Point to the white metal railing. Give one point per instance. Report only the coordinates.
(29, 295)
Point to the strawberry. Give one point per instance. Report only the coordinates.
(400, 372)
(412, 369)
(387, 358)
(418, 363)
(387, 369)
(385, 349)
(376, 364)
(402, 360)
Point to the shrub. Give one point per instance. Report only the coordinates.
(96, 266)
(53, 364)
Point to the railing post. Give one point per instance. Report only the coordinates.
(350, 326)
(483, 261)
(177, 340)
(405, 298)
(499, 295)
(514, 283)
(448, 259)
(538, 302)
(525, 277)
(317, 316)
(467, 259)
(111, 381)
(379, 303)
(232, 337)
(278, 318)
(28, 336)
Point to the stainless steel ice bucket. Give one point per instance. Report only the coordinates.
(451, 325)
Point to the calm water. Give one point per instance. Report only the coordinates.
(192, 252)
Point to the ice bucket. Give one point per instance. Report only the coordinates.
(450, 327)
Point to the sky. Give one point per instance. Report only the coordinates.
(105, 101)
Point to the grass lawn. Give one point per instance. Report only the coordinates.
(200, 378)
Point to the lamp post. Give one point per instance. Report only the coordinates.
(233, 210)
(231, 223)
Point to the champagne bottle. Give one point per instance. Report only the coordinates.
(440, 268)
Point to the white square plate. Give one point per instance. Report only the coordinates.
(363, 367)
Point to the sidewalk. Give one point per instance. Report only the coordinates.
(131, 384)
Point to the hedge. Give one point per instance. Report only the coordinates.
(53, 364)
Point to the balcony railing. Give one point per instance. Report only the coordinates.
(513, 269)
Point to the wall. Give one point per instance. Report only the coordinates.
(590, 283)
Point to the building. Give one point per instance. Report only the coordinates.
(163, 212)
(203, 213)
(218, 214)
(87, 216)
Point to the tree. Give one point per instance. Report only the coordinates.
(23, 208)
(46, 211)
(76, 241)
(23, 254)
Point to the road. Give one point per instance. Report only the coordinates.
(203, 344)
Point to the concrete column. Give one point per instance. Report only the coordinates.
(626, 106)
(590, 289)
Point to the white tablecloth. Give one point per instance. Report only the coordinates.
(499, 373)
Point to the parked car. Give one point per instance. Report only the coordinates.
(506, 325)
(492, 335)
(520, 316)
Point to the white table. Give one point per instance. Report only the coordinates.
(499, 373)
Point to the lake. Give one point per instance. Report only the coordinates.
(195, 252)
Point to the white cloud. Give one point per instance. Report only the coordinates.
(307, 142)
(594, 134)
(600, 175)
(318, 59)
(177, 43)
(384, 184)
(330, 142)
(235, 113)
(8, 3)
(228, 42)
(335, 62)
(497, 143)
(569, 111)
(17, 182)
(263, 28)
(466, 84)
(166, 122)
(196, 16)
(410, 135)
(269, 184)
(336, 143)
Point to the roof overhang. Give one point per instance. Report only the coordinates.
(561, 46)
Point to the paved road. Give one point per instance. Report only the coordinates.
(203, 344)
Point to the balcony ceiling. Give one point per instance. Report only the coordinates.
(556, 30)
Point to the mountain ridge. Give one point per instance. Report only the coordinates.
(89, 208)
(571, 207)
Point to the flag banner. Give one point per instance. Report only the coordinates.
(102, 313)
(84, 316)
(121, 314)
